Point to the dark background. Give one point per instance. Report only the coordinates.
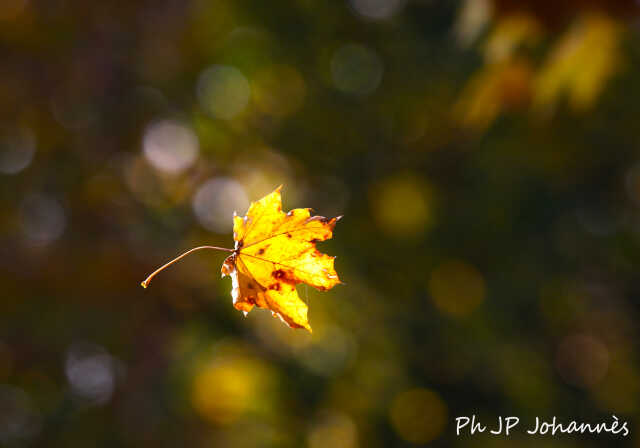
(484, 156)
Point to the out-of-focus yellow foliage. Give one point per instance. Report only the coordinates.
(580, 63)
(509, 34)
(496, 88)
(503, 83)
(274, 251)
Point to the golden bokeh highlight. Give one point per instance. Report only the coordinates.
(403, 206)
(334, 430)
(580, 63)
(576, 69)
(496, 88)
(418, 415)
(456, 288)
(278, 90)
(509, 34)
(225, 389)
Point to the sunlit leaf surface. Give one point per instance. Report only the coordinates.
(274, 252)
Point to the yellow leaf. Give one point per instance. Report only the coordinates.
(580, 64)
(273, 252)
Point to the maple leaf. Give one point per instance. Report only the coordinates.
(274, 251)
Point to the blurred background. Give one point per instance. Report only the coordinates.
(484, 153)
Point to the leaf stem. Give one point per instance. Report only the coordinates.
(146, 282)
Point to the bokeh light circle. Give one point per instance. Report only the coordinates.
(43, 219)
(16, 151)
(229, 384)
(223, 91)
(216, 200)
(356, 69)
(377, 9)
(456, 288)
(418, 415)
(170, 146)
(91, 372)
(389, 200)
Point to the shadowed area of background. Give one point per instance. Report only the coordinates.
(485, 156)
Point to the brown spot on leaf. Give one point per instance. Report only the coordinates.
(284, 276)
(275, 287)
